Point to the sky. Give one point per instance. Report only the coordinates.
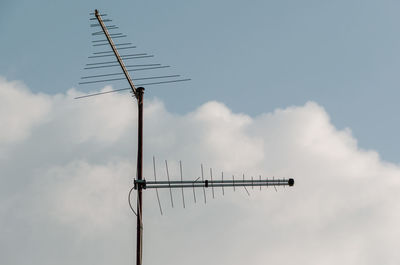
(279, 88)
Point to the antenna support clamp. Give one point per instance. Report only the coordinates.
(139, 184)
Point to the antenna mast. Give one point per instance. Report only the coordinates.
(138, 92)
(140, 183)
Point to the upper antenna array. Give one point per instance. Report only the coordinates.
(108, 64)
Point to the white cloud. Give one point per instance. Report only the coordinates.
(20, 110)
(86, 195)
(70, 164)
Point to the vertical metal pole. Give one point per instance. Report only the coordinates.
(139, 235)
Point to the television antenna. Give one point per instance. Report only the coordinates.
(140, 183)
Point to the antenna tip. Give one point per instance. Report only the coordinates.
(291, 182)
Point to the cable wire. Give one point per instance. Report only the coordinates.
(129, 201)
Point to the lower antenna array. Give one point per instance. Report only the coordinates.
(144, 184)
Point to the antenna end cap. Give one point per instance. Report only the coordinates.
(291, 182)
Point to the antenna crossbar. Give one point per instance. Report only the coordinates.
(121, 63)
(212, 183)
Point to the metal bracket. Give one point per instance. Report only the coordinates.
(139, 183)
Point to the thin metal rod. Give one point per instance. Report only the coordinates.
(223, 191)
(132, 47)
(122, 56)
(116, 90)
(125, 58)
(155, 179)
(119, 44)
(100, 33)
(202, 179)
(100, 81)
(169, 185)
(103, 66)
(130, 70)
(102, 63)
(112, 27)
(245, 187)
(98, 25)
(233, 182)
(183, 196)
(119, 36)
(138, 57)
(212, 186)
(108, 26)
(194, 191)
(98, 40)
(124, 48)
(164, 82)
(121, 63)
(136, 79)
(104, 20)
(102, 93)
(94, 76)
(104, 52)
(148, 68)
(248, 193)
(103, 15)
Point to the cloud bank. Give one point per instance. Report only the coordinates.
(67, 165)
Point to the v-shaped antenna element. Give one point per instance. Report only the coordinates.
(109, 64)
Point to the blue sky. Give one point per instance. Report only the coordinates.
(253, 56)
